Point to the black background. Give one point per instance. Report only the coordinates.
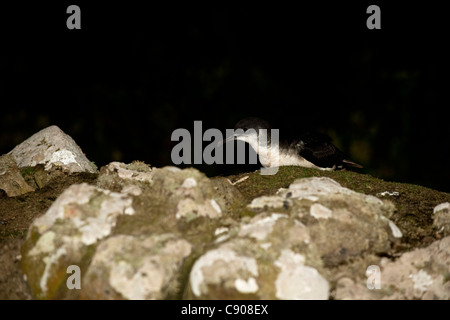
(134, 73)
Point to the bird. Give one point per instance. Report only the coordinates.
(308, 149)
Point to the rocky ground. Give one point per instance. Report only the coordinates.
(138, 232)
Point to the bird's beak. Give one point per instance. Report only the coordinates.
(230, 138)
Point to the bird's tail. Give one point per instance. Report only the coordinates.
(352, 164)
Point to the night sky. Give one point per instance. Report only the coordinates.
(134, 73)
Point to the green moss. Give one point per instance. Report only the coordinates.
(27, 172)
(93, 166)
(139, 166)
(446, 277)
(11, 234)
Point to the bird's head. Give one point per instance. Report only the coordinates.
(248, 130)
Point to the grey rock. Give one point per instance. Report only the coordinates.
(418, 274)
(67, 234)
(287, 249)
(225, 270)
(154, 221)
(121, 177)
(341, 222)
(52, 148)
(258, 263)
(126, 267)
(166, 233)
(11, 181)
(297, 281)
(441, 218)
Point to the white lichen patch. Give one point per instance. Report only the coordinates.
(223, 234)
(75, 194)
(246, 286)
(268, 201)
(422, 281)
(299, 233)
(62, 158)
(137, 284)
(91, 222)
(96, 227)
(45, 244)
(222, 238)
(49, 261)
(219, 266)
(189, 209)
(441, 207)
(319, 211)
(220, 230)
(132, 189)
(177, 248)
(259, 228)
(314, 186)
(297, 281)
(288, 257)
(129, 210)
(189, 183)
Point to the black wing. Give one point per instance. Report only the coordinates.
(318, 149)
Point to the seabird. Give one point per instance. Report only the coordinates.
(309, 149)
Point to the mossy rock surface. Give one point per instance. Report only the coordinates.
(414, 204)
(210, 214)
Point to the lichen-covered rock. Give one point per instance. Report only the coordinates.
(131, 243)
(183, 202)
(52, 148)
(227, 271)
(167, 233)
(242, 269)
(341, 223)
(286, 251)
(129, 178)
(126, 267)
(418, 274)
(188, 193)
(441, 218)
(11, 181)
(297, 281)
(259, 259)
(209, 196)
(67, 235)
